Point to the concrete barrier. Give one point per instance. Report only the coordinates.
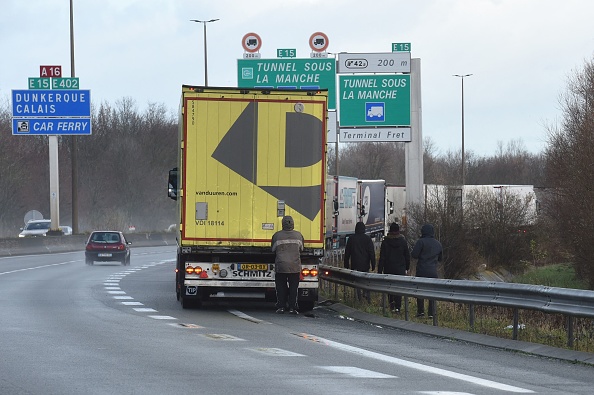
(53, 244)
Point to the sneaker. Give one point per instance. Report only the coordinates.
(396, 311)
(294, 312)
(280, 311)
(429, 316)
(420, 314)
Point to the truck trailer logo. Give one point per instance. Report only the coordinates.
(374, 112)
(238, 150)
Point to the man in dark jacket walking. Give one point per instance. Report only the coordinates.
(394, 259)
(428, 251)
(359, 253)
(287, 244)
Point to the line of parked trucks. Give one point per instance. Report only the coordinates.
(246, 158)
(350, 200)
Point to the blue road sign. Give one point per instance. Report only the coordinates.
(51, 126)
(51, 103)
(375, 111)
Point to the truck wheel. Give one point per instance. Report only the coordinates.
(188, 303)
(306, 306)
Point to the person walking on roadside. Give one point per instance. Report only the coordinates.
(359, 254)
(428, 251)
(287, 244)
(394, 259)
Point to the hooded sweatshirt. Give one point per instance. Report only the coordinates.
(359, 251)
(394, 255)
(288, 244)
(428, 251)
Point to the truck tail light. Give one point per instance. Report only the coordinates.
(307, 272)
(194, 270)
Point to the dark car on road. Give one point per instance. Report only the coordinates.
(107, 246)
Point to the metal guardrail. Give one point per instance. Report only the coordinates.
(574, 302)
(569, 302)
(54, 244)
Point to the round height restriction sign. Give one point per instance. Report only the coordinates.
(318, 42)
(251, 42)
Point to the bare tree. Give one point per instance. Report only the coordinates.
(373, 161)
(570, 170)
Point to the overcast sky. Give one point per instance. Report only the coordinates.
(520, 52)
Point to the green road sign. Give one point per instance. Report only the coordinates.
(65, 83)
(400, 47)
(289, 74)
(286, 53)
(39, 83)
(374, 100)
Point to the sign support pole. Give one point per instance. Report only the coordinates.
(413, 152)
(54, 184)
(73, 142)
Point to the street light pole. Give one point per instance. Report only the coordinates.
(463, 160)
(205, 51)
(73, 142)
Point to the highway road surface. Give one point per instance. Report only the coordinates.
(69, 328)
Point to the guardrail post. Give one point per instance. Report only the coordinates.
(569, 331)
(471, 315)
(383, 304)
(433, 311)
(406, 316)
(516, 324)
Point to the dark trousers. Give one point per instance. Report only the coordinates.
(395, 301)
(421, 306)
(421, 302)
(286, 285)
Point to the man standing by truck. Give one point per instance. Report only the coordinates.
(287, 244)
(359, 254)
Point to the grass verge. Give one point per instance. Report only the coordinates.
(534, 326)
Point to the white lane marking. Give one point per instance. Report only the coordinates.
(357, 372)
(221, 336)
(277, 352)
(247, 317)
(37, 255)
(35, 268)
(112, 286)
(418, 366)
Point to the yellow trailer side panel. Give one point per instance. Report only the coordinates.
(246, 154)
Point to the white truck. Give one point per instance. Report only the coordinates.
(341, 209)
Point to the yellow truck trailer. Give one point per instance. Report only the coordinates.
(247, 157)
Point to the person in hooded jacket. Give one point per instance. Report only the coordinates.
(428, 252)
(359, 254)
(394, 259)
(287, 244)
